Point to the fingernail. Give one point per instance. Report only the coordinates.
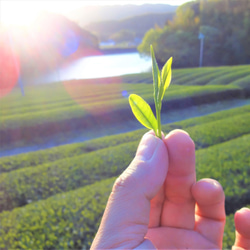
(147, 147)
(178, 131)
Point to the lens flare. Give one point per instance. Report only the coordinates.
(96, 96)
(9, 64)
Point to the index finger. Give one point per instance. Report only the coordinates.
(179, 205)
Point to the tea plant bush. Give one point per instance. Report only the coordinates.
(36, 158)
(243, 83)
(66, 221)
(229, 163)
(201, 77)
(230, 77)
(219, 131)
(58, 114)
(213, 117)
(49, 155)
(28, 184)
(70, 220)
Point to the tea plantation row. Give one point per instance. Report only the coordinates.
(36, 127)
(198, 76)
(49, 155)
(24, 185)
(70, 220)
(187, 95)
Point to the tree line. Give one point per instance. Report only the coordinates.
(225, 25)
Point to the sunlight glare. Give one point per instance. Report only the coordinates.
(24, 12)
(19, 13)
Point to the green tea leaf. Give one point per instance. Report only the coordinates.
(166, 76)
(142, 112)
(156, 75)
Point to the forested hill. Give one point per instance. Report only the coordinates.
(225, 25)
(135, 26)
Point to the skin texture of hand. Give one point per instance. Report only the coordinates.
(157, 204)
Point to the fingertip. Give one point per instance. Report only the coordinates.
(242, 222)
(210, 199)
(208, 192)
(178, 132)
(181, 151)
(181, 138)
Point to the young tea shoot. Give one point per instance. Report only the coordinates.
(141, 109)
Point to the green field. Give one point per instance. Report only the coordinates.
(54, 198)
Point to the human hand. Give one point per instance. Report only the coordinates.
(157, 203)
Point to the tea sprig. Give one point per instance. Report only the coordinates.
(141, 109)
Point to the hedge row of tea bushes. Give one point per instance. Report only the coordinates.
(66, 221)
(70, 220)
(100, 91)
(197, 76)
(220, 77)
(37, 99)
(33, 159)
(27, 184)
(36, 128)
(243, 83)
(188, 95)
(201, 77)
(229, 163)
(182, 76)
(213, 117)
(230, 77)
(219, 131)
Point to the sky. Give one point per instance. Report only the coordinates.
(23, 12)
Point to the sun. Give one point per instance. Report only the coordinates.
(21, 13)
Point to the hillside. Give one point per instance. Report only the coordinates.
(89, 14)
(139, 25)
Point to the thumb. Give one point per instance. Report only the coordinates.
(125, 220)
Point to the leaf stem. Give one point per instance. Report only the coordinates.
(158, 115)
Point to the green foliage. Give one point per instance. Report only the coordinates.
(151, 38)
(231, 77)
(26, 185)
(219, 131)
(29, 184)
(161, 82)
(228, 163)
(244, 83)
(225, 25)
(142, 112)
(217, 116)
(36, 158)
(66, 221)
